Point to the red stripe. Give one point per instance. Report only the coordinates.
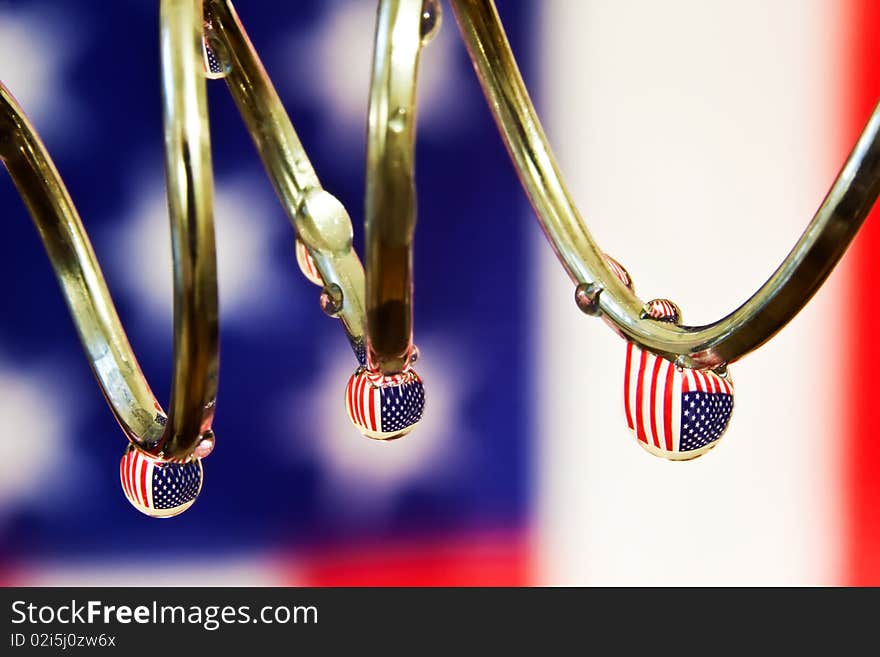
(359, 399)
(640, 422)
(685, 381)
(144, 482)
(362, 386)
(132, 464)
(706, 384)
(626, 376)
(713, 380)
(667, 406)
(373, 425)
(654, 376)
(458, 559)
(862, 387)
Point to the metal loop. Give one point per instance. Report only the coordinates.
(390, 212)
(769, 309)
(190, 196)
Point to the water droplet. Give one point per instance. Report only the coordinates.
(205, 446)
(217, 62)
(331, 300)
(397, 123)
(586, 296)
(432, 17)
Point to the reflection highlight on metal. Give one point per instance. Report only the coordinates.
(769, 309)
(206, 40)
(190, 198)
(321, 222)
(390, 204)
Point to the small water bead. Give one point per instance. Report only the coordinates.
(205, 446)
(586, 296)
(432, 17)
(397, 123)
(217, 62)
(331, 300)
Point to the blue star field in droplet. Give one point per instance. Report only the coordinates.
(175, 485)
(402, 405)
(704, 417)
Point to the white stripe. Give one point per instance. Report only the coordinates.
(149, 483)
(703, 92)
(646, 396)
(676, 411)
(377, 408)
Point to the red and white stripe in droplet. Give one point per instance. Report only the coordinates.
(619, 271)
(136, 474)
(653, 388)
(307, 264)
(662, 309)
(363, 401)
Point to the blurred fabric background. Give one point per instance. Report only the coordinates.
(697, 139)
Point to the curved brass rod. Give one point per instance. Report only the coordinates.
(320, 220)
(190, 182)
(770, 308)
(390, 204)
(82, 282)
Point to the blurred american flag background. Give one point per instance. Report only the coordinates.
(697, 138)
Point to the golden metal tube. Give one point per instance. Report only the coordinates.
(770, 308)
(390, 204)
(79, 275)
(321, 222)
(189, 178)
(190, 184)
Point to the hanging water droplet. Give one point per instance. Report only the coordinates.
(432, 17)
(205, 445)
(217, 63)
(331, 300)
(301, 164)
(586, 296)
(397, 123)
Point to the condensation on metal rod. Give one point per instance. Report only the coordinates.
(768, 310)
(70, 252)
(320, 220)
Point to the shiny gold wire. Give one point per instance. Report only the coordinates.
(190, 192)
(325, 227)
(768, 310)
(390, 203)
(321, 222)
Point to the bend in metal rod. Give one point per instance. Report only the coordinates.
(768, 310)
(320, 220)
(82, 282)
(390, 204)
